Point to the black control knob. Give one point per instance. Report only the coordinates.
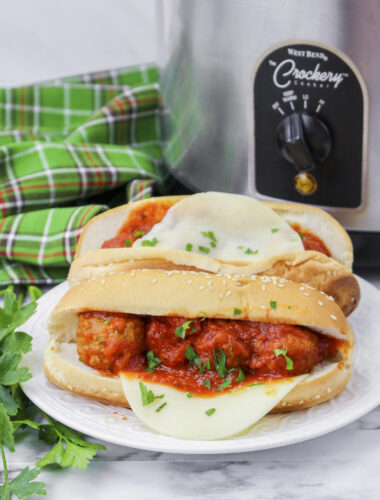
(304, 140)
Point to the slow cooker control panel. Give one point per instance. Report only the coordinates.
(308, 127)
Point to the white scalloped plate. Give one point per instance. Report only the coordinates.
(120, 426)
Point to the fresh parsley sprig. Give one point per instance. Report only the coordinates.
(16, 411)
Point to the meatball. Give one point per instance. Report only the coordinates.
(110, 341)
(222, 334)
(161, 339)
(301, 346)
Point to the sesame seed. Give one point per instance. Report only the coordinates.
(102, 282)
(332, 316)
(253, 277)
(209, 283)
(154, 280)
(263, 288)
(302, 288)
(201, 287)
(132, 274)
(307, 294)
(122, 272)
(330, 298)
(320, 302)
(220, 295)
(317, 396)
(169, 273)
(228, 293)
(189, 282)
(111, 273)
(224, 282)
(283, 403)
(329, 389)
(301, 402)
(262, 307)
(280, 285)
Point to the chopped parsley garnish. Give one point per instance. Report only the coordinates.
(237, 311)
(210, 412)
(220, 362)
(251, 252)
(240, 377)
(161, 406)
(256, 383)
(301, 236)
(190, 395)
(153, 361)
(226, 383)
(204, 315)
(149, 243)
(211, 235)
(273, 304)
(180, 331)
(289, 361)
(206, 366)
(138, 234)
(207, 383)
(127, 243)
(240, 247)
(204, 249)
(191, 355)
(231, 350)
(147, 397)
(81, 360)
(275, 230)
(189, 247)
(107, 321)
(289, 307)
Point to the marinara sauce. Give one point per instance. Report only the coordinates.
(198, 356)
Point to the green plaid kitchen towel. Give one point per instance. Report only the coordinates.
(61, 142)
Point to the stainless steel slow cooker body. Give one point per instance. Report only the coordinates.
(232, 124)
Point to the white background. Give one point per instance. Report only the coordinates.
(43, 39)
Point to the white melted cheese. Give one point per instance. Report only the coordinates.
(244, 228)
(186, 418)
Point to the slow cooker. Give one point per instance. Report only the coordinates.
(277, 99)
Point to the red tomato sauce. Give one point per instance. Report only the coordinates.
(212, 351)
(311, 241)
(141, 219)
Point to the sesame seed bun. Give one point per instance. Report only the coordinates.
(186, 293)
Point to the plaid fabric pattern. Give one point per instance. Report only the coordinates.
(61, 142)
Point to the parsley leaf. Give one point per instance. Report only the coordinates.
(160, 407)
(153, 361)
(237, 311)
(147, 396)
(190, 395)
(251, 252)
(6, 429)
(273, 304)
(275, 230)
(191, 355)
(189, 247)
(6, 398)
(181, 330)
(256, 383)
(9, 374)
(207, 383)
(289, 361)
(23, 485)
(220, 362)
(149, 243)
(210, 235)
(138, 234)
(240, 377)
(226, 383)
(203, 249)
(17, 342)
(204, 315)
(205, 366)
(210, 412)
(127, 243)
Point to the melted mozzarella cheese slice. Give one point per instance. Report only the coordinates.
(186, 418)
(244, 228)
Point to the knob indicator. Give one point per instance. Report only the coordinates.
(303, 140)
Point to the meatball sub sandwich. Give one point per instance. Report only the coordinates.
(221, 233)
(199, 355)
